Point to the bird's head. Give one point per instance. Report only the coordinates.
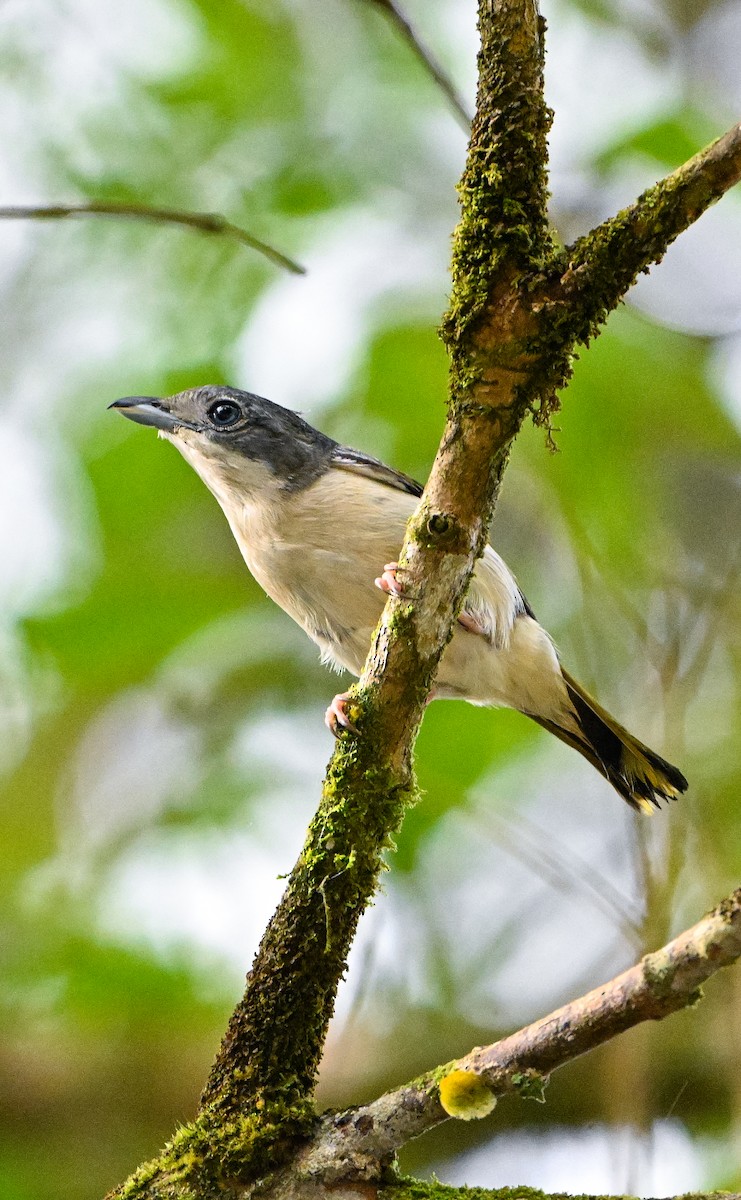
(234, 439)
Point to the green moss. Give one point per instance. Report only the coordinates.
(530, 1085)
(415, 1189)
(503, 231)
(210, 1158)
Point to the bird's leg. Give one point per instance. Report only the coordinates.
(389, 584)
(469, 622)
(336, 718)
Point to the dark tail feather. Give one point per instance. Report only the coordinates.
(641, 777)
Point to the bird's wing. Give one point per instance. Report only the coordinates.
(362, 464)
(494, 600)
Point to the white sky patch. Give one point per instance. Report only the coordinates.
(726, 375)
(288, 746)
(132, 760)
(211, 890)
(82, 49)
(42, 540)
(599, 1159)
(304, 338)
(600, 81)
(714, 43)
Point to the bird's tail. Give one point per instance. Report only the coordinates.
(641, 777)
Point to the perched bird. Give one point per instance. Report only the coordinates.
(316, 521)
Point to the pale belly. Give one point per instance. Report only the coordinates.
(318, 560)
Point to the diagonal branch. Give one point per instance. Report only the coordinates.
(604, 264)
(278, 1030)
(429, 62)
(202, 221)
(258, 1095)
(361, 1143)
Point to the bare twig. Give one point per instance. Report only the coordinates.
(425, 56)
(569, 874)
(357, 1144)
(203, 222)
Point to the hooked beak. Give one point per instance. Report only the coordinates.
(148, 410)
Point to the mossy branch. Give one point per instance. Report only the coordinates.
(417, 1189)
(361, 1144)
(263, 1077)
(423, 1189)
(276, 1036)
(203, 222)
(571, 298)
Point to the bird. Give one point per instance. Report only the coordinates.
(320, 527)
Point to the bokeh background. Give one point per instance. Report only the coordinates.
(162, 743)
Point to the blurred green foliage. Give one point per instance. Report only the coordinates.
(162, 737)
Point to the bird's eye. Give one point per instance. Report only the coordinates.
(224, 413)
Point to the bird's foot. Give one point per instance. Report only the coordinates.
(469, 622)
(388, 582)
(336, 718)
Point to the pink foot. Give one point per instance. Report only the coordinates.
(470, 623)
(388, 582)
(336, 718)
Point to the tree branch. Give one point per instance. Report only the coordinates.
(258, 1096)
(502, 347)
(362, 1142)
(278, 1030)
(590, 278)
(203, 222)
(416, 1189)
(429, 62)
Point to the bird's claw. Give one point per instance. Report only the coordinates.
(388, 582)
(469, 622)
(336, 718)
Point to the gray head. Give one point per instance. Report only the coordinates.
(222, 429)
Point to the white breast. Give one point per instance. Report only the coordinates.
(316, 553)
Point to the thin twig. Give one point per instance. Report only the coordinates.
(202, 221)
(428, 60)
(528, 844)
(664, 982)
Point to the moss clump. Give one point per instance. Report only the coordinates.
(215, 1154)
(530, 1085)
(416, 1189)
(503, 230)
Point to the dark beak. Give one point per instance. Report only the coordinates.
(148, 410)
